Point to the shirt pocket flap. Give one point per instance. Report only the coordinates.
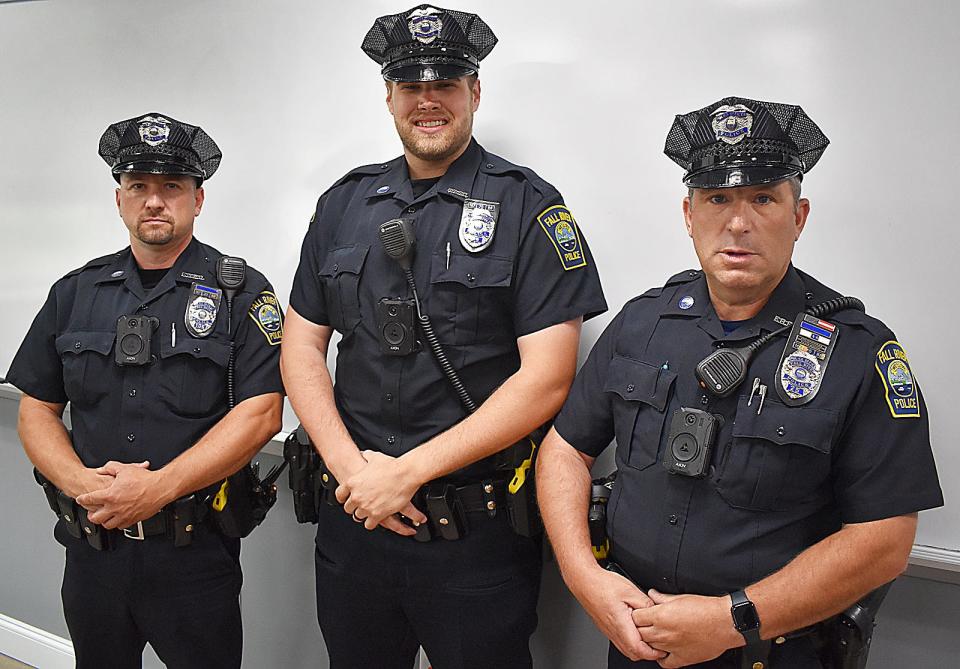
(344, 259)
(779, 424)
(78, 342)
(471, 271)
(207, 349)
(638, 381)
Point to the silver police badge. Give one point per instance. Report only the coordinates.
(478, 222)
(154, 129)
(202, 308)
(424, 24)
(800, 374)
(731, 123)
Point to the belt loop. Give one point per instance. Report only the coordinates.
(489, 497)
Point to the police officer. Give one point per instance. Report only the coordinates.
(805, 497)
(138, 343)
(503, 274)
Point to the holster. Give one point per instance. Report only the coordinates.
(248, 501)
(845, 638)
(308, 479)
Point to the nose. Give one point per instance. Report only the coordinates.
(426, 101)
(154, 199)
(741, 217)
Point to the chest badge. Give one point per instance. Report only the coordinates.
(804, 360)
(202, 308)
(478, 222)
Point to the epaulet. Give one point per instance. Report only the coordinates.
(676, 279)
(96, 262)
(360, 172)
(493, 164)
(683, 277)
(818, 293)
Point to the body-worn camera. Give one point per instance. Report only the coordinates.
(134, 334)
(397, 325)
(690, 443)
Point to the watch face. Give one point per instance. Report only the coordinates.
(745, 617)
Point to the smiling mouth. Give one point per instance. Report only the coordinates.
(430, 124)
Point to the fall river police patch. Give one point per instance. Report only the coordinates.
(266, 313)
(894, 370)
(202, 308)
(561, 228)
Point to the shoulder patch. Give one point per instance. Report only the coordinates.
(901, 389)
(561, 228)
(267, 314)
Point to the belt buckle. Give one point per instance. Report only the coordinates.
(134, 531)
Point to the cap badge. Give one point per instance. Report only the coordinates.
(478, 222)
(154, 129)
(424, 24)
(735, 178)
(731, 123)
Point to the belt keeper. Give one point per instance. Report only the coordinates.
(446, 511)
(184, 520)
(489, 497)
(97, 537)
(328, 484)
(68, 514)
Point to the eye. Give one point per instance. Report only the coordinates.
(763, 199)
(172, 185)
(136, 186)
(717, 198)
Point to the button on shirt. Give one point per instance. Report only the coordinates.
(479, 302)
(780, 479)
(156, 411)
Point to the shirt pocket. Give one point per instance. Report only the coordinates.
(777, 459)
(193, 376)
(470, 300)
(640, 393)
(88, 372)
(340, 281)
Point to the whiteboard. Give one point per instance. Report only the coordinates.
(582, 92)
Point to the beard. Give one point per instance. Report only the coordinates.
(156, 234)
(438, 147)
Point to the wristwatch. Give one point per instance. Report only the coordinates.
(745, 618)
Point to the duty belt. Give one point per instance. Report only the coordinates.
(177, 521)
(444, 502)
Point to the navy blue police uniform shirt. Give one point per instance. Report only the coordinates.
(782, 478)
(536, 272)
(156, 411)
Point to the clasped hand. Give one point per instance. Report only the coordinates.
(377, 491)
(131, 496)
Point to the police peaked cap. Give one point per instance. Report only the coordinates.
(742, 142)
(159, 144)
(428, 43)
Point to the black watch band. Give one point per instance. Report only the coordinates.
(745, 618)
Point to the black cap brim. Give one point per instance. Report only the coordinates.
(740, 175)
(427, 72)
(155, 167)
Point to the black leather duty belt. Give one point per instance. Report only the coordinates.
(177, 521)
(444, 502)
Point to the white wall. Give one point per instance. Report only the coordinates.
(582, 92)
